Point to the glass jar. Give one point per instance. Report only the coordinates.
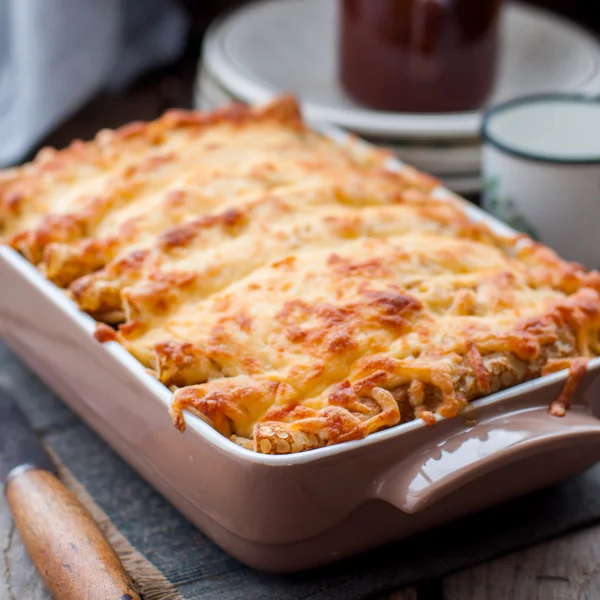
(419, 55)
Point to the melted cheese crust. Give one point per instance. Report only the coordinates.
(293, 293)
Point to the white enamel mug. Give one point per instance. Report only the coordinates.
(541, 171)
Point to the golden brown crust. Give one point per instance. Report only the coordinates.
(264, 227)
(295, 293)
(333, 353)
(577, 371)
(145, 177)
(104, 333)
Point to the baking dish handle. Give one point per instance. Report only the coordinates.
(473, 452)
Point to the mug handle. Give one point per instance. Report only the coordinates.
(437, 471)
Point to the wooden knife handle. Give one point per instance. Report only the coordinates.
(64, 542)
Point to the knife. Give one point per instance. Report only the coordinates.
(65, 544)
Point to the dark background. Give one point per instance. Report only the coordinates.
(147, 98)
(584, 11)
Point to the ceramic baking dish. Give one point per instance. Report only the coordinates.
(293, 512)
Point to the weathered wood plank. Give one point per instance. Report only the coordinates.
(567, 568)
(18, 577)
(19, 580)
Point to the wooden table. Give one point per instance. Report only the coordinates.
(567, 568)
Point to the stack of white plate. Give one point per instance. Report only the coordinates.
(278, 46)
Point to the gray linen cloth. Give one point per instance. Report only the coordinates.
(54, 54)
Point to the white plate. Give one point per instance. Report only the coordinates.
(290, 45)
(208, 94)
(441, 159)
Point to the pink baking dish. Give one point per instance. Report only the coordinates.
(288, 513)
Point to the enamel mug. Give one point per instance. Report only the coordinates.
(541, 171)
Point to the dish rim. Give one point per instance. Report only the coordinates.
(88, 325)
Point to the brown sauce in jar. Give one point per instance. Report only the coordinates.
(419, 55)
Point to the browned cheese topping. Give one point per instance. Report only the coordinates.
(293, 293)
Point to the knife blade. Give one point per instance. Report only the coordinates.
(19, 446)
(65, 544)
